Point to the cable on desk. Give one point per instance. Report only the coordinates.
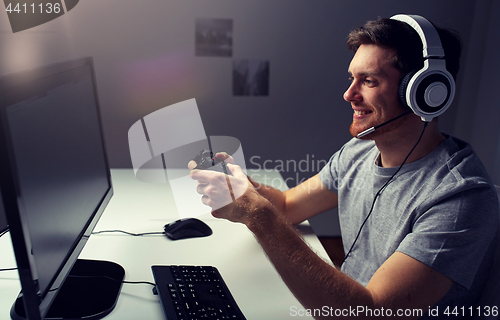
(122, 281)
(129, 233)
(8, 269)
(4, 232)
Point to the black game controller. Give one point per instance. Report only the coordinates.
(205, 160)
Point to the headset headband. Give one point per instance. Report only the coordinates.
(431, 42)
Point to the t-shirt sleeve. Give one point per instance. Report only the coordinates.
(453, 233)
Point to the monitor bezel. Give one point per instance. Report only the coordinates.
(37, 303)
(4, 227)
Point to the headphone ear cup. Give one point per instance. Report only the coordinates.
(403, 88)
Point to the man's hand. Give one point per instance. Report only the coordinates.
(223, 192)
(222, 156)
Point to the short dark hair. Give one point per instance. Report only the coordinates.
(401, 37)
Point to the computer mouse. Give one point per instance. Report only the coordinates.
(187, 228)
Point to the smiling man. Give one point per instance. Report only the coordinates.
(419, 226)
(374, 99)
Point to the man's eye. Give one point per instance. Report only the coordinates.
(351, 79)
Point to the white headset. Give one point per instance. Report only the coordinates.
(430, 90)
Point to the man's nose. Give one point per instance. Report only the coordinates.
(352, 93)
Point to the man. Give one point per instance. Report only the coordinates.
(418, 236)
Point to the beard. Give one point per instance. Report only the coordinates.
(356, 129)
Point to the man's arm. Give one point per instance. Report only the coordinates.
(402, 284)
(301, 202)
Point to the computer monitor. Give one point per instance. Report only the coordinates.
(55, 183)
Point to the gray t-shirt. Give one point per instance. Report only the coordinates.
(441, 210)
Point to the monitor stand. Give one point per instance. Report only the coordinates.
(87, 293)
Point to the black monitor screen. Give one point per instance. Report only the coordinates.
(56, 144)
(58, 168)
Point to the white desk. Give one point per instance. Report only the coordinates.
(142, 207)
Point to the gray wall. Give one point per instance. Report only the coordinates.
(144, 56)
(478, 116)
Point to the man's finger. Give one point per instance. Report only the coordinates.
(224, 156)
(236, 170)
(191, 165)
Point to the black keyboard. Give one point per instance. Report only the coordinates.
(194, 292)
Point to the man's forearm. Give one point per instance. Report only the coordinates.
(314, 282)
(275, 196)
(301, 202)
